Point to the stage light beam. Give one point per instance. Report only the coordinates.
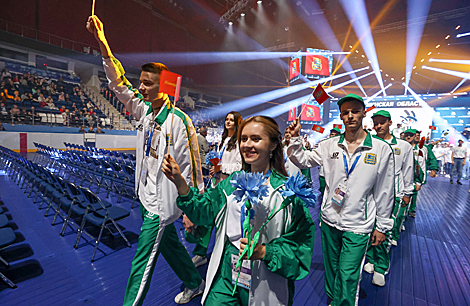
(461, 62)
(417, 13)
(357, 14)
(458, 74)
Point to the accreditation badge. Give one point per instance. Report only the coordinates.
(244, 280)
(144, 172)
(340, 193)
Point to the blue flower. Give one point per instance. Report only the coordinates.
(211, 155)
(249, 186)
(297, 185)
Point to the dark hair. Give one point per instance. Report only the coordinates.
(271, 128)
(353, 100)
(154, 67)
(232, 143)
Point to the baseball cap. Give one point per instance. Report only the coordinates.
(335, 129)
(412, 131)
(351, 96)
(383, 113)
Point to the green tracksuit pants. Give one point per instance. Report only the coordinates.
(201, 246)
(343, 256)
(413, 201)
(400, 218)
(152, 240)
(222, 287)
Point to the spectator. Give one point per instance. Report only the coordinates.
(15, 80)
(82, 129)
(62, 109)
(23, 81)
(25, 97)
(99, 130)
(3, 109)
(1, 127)
(50, 103)
(89, 104)
(91, 130)
(61, 97)
(15, 112)
(66, 116)
(74, 107)
(466, 133)
(67, 98)
(5, 74)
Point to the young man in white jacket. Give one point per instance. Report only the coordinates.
(157, 194)
(359, 194)
(379, 256)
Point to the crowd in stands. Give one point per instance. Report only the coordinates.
(28, 98)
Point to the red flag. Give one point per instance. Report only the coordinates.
(317, 64)
(168, 82)
(215, 161)
(370, 108)
(433, 127)
(339, 126)
(310, 113)
(292, 114)
(294, 68)
(320, 94)
(421, 142)
(318, 129)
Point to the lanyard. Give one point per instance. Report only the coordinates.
(348, 172)
(149, 140)
(222, 153)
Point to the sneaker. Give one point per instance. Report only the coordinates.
(378, 279)
(369, 268)
(451, 181)
(188, 294)
(394, 243)
(412, 214)
(447, 176)
(402, 227)
(199, 260)
(459, 183)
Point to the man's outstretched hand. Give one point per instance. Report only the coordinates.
(95, 26)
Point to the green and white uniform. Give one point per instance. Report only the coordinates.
(368, 201)
(288, 238)
(379, 256)
(157, 194)
(427, 161)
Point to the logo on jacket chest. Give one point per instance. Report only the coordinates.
(397, 151)
(335, 155)
(370, 159)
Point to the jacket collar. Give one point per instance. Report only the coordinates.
(366, 143)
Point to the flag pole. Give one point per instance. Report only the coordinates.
(93, 8)
(302, 109)
(177, 94)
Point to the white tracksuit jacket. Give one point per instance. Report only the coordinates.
(370, 196)
(404, 165)
(159, 194)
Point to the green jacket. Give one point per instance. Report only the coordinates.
(289, 255)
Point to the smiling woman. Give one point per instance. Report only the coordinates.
(283, 253)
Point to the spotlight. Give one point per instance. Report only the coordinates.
(259, 2)
(230, 23)
(438, 46)
(429, 53)
(463, 34)
(422, 60)
(242, 14)
(457, 27)
(392, 79)
(363, 56)
(350, 47)
(447, 37)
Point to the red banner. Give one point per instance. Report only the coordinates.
(294, 68)
(318, 129)
(433, 127)
(310, 113)
(317, 64)
(339, 126)
(168, 81)
(320, 94)
(292, 114)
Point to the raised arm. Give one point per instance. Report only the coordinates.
(300, 157)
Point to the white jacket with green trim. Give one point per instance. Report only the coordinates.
(370, 197)
(404, 166)
(159, 194)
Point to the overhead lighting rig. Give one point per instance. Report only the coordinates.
(237, 8)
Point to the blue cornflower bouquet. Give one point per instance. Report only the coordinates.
(297, 186)
(250, 187)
